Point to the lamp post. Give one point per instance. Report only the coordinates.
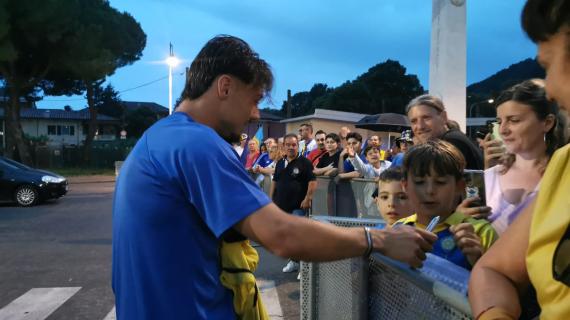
(172, 62)
(490, 101)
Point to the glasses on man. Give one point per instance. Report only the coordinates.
(561, 260)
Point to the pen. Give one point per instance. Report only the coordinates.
(432, 223)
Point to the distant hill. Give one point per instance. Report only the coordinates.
(505, 78)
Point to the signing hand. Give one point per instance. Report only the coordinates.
(404, 243)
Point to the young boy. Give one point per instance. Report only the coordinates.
(392, 200)
(370, 170)
(433, 181)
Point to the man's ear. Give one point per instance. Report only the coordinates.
(405, 185)
(223, 84)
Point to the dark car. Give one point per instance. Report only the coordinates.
(28, 186)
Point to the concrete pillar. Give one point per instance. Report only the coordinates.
(448, 55)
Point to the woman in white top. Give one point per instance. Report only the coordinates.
(531, 131)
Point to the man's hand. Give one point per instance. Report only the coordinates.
(306, 203)
(493, 150)
(404, 243)
(465, 207)
(468, 241)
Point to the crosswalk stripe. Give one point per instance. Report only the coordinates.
(37, 303)
(111, 315)
(270, 298)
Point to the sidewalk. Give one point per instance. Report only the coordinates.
(90, 179)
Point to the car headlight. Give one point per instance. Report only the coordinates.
(52, 179)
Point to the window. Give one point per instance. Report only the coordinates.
(61, 130)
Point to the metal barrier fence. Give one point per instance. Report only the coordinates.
(339, 198)
(378, 288)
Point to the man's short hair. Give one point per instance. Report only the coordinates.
(308, 125)
(437, 155)
(291, 135)
(426, 100)
(333, 136)
(229, 55)
(541, 19)
(354, 135)
(320, 132)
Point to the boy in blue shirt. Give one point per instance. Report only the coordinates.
(433, 180)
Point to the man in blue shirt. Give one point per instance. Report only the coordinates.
(175, 200)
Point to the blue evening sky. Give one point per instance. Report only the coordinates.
(309, 42)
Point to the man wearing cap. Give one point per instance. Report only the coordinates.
(403, 142)
(429, 121)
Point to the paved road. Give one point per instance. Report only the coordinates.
(55, 260)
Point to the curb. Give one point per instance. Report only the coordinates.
(88, 179)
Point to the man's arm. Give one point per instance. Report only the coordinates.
(500, 275)
(306, 203)
(349, 175)
(322, 171)
(271, 189)
(266, 171)
(308, 240)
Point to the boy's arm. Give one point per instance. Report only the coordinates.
(468, 241)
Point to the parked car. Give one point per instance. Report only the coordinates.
(28, 186)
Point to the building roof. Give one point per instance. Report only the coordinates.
(263, 115)
(58, 114)
(334, 115)
(134, 105)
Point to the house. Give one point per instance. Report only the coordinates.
(271, 124)
(332, 120)
(160, 111)
(62, 127)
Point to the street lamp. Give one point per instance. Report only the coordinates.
(490, 101)
(172, 62)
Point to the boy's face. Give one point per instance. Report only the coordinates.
(392, 201)
(433, 195)
(355, 144)
(373, 156)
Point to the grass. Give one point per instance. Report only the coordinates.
(71, 172)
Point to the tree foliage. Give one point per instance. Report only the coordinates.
(383, 88)
(64, 47)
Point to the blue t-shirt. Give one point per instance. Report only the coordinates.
(264, 160)
(398, 160)
(348, 167)
(446, 248)
(173, 200)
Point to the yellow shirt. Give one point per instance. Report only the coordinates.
(550, 219)
(483, 228)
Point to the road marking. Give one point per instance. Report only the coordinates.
(270, 298)
(112, 315)
(37, 303)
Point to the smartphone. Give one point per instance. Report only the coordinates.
(475, 186)
(494, 129)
